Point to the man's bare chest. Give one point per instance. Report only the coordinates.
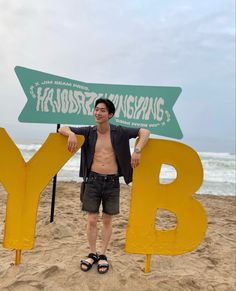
(103, 143)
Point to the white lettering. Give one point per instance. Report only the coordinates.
(79, 102)
(42, 99)
(58, 101)
(73, 106)
(64, 101)
(130, 108)
(49, 98)
(91, 100)
(80, 98)
(159, 111)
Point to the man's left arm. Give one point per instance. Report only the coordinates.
(143, 139)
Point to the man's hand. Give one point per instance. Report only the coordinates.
(143, 139)
(135, 158)
(72, 144)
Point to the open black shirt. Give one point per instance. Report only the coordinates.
(120, 137)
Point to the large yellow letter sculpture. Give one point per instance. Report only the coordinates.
(149, 195)
(24, 182)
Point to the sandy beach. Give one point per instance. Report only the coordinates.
(54, 262)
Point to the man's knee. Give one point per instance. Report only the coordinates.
(107, 219)
(92, 219)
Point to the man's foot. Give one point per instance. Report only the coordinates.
(87, 264)
(103, 265)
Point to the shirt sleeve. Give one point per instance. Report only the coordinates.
(132, 132)
(80, 130)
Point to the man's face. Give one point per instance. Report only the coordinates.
(101, 113)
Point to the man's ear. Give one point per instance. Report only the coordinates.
(110, 115)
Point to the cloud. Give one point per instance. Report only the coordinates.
(190, 44)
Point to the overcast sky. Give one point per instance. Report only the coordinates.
(190, 44)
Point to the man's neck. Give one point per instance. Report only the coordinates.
(103, 127)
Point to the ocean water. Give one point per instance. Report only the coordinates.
(219, 170)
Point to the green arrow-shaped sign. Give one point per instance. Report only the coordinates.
(54, 99)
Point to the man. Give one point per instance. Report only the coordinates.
(105, 155)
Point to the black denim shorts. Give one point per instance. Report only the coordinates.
(103, 189)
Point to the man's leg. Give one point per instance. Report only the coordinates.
(106, 235)
(106, 231)
(92, 231)
(91, 234)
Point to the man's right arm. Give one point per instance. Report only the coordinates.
(72, 140)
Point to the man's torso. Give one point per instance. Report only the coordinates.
(104, 161)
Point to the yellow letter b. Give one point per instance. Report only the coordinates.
(149, 195)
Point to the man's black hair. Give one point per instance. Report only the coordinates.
(109, 104)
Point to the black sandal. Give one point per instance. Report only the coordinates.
(104, 266)
(88, 265)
